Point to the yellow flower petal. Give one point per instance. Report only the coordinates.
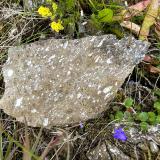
(44, 11)
(57, 26)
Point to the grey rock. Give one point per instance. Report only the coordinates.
(58, 81)
(134, 135)
(143, 147)
(115, 152)
(98, 153)
(30, 5)
(156, 137)
(153, 146)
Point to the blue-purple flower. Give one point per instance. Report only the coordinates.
(81, 125)
(120, 134)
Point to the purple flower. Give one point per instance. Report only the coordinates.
(120, 134)
(81, 125)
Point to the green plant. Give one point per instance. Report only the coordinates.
(144, 126)
(151, 117)
(105, 15)
(143, 116)
(157, 105)
(119, 115)
(134, 113)
(73, 13)
(128, 102)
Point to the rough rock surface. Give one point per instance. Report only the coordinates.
(57, 81)
(99, 153)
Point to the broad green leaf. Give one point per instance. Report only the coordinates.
(119, 115)
(128, 102)
(157, 105)
(105, 15)
(151, 117)
(143, 116)
(157, 92)
(144, 126)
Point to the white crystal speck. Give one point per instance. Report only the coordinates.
(101, 42)
(18, 102)
(65, 45)
(68, 73)
(107, 89)
(52, 57)
(9, 72)
(79, 95)
(109, 61)
(33, 111)
(29, 63)
(45, 122)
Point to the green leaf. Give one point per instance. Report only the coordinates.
(119, 115)
(70, 4)
(105, 15)
(144, 126)
(128, 102)
(158, 119)
(151, 117)
(143, 116)
(157, 105)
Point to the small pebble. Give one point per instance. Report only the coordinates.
(153, 146)
(142, 146)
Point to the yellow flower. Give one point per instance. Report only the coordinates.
(54, 6)
(57, 26)
(44, 11)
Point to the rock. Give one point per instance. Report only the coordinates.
(156, 138)
(153, 134)
(115, 152)
(143, 147)
(30, 5)
(58, 81)
(154, 148)
(98, 153)
(134, 135)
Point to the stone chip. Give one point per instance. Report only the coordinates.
(59, 81)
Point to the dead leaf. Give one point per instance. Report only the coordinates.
(140, 6)
(133, 10)
(54, 141)
(131, 26)
(153, 69)
(148, 58)
(157, 28)
(149, 19)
